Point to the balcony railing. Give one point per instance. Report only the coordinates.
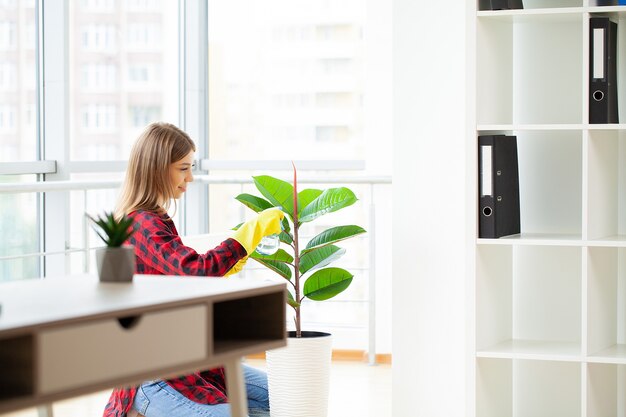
(210, 180)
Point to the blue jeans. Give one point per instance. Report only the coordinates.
(158, 399)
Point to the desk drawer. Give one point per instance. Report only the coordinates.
(103, 350)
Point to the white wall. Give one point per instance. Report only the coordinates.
(429, 341)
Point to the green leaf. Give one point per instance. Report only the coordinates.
(292, 301)
(330, 200)
(333, 235)
(285, 238)
(320, 257)
(306, 196)
(280, 256)
(327, 283)
(278, 192)
(112, 231)
(253, 202)
(285, 225)
(279, 267)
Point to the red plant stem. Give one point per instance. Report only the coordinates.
(296, 252)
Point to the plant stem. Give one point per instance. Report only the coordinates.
(296, 252)
(297, 279)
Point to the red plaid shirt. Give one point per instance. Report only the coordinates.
(160, 251)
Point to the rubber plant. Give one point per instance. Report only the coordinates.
(305, 268)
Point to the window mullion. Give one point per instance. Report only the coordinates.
(194, 120)
(54, 132)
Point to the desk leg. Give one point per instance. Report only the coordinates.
(45, 410)
(235, 385)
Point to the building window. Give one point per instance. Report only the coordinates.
(143, 36)
(99, 37)
(8, 4)
(141, 116)
(332, 134)
(99, 77)
(7, 118)
(8, 38)
(8, 80)
(143, 5)
(99, 117)
(98, 6)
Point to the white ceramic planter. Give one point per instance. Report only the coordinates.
(299, 376)
(116, 264)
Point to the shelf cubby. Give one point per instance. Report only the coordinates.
(550, 172)
(606, 305)
(264, 315)
(547, 92)
(606, 390)
(606, 185)
(16, 367)
(507, 388)
(550, 181)
(528, 302)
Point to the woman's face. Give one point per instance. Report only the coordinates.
(180, 174)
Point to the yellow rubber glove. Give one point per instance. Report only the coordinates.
(251, 232)
(237, 267)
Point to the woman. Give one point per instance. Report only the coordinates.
(159, 169)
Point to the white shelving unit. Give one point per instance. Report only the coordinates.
(549, 305)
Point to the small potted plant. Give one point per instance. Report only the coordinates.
(304, 364)
(116, 263)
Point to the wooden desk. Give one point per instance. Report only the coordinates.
(63, 337)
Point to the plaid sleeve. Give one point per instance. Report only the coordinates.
(120, 402)
(160, 247)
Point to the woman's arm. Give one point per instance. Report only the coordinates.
(162, 249)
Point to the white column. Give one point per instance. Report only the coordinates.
(429, 208)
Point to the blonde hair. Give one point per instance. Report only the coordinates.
(147, 184)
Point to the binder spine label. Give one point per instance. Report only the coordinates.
(486, 180)
(598, 53)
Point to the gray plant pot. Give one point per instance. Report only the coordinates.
(116, 264)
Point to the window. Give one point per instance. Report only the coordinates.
(8, 38)
(98, 6)
(99, 77)
(8, 4)
(143, 36)
(100, 118)
(116, 86)
(298, 99)
(143, 5)
(99, 37)
(284, 81)
(143, 115)
(7, 118)
(18, 229)
(262, 102)
(143, 75)
(8, 79)
(17, 77)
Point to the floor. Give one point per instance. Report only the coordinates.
(356, 390)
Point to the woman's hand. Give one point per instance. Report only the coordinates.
(265, 223)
